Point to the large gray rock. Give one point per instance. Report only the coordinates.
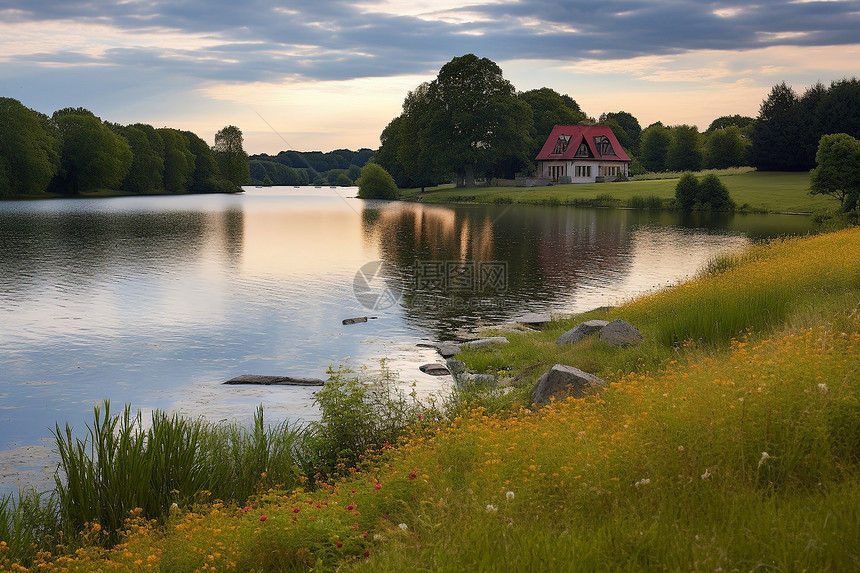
(456, 367)
(434, 369)
(582, 330)
(561, 380)
(484, 342)
(534, 319)
(620, 333)
(274, 380)
(447, 349)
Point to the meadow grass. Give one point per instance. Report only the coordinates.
(739, 451)
(754, 191)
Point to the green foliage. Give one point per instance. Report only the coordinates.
(29, 523)
(838, 171)
(376, 183)
(726, 148)
(685, 149)
(119, 466)
(357, 415)
(549, 108)
(278, 173)
(230, 155)
(147, 166)
(93, 156)
(29, 149)
(654, 147)
(709, 194)
(179, 161)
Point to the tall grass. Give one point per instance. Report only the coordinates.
(120, 466)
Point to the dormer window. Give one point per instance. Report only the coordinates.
(583, 150)
(603, 146)
(561, 144)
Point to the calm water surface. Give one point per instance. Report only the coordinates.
(155, 301)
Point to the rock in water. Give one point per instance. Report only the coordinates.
(582, 330)
(447, 349)
(620, 333)
(355, 320)
(561, 380)
(434, 369)
(274, 380)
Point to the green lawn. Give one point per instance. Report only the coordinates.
(759, 191)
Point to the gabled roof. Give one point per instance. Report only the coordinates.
(568, 142)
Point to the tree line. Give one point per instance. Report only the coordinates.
(338, 167)
(74, 151)
(471, 123)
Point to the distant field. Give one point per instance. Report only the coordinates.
(759, 191)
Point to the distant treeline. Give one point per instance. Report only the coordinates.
(338, 167)
(73, 151)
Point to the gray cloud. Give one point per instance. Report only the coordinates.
(333, 39)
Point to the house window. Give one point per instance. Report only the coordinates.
(561, 144)
(583, 150)
(604, 147)
(583, 170)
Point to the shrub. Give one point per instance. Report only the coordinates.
(687, 191)
(376, 183)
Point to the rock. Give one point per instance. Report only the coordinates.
(358, 319)
(274, 380)
(534, 319)
(456, 367)
(582, 330)
(447, 349)
(561, 380)
(620, 333)
(484, 342)
(434, 369)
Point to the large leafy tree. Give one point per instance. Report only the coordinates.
(685, 150)
(205, 176)
(838, 170)
(468, 121)
(654, 147)
(777, 131)
(726, 148)
(93, 156)
(29, 149)
(625, 127)
(550, 108)
(230, 155)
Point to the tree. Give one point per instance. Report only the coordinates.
(654, 146)
(179, 161)
(205, 177)
(29, 149)
(625, 127)
(376, 183)
(838, 170)
(726, 147)
(742, 122)
(776, 132)
(685, 149)
(147, 164)
(687, 191)
(231, 156)
(93, 156)
(467, 121)
(550, 108)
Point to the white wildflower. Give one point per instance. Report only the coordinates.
(643, 481)
(822, 387)
(707, 474)
(509, 495)
(764, 457)
(492, 508)
(680, 448)
(403, 527)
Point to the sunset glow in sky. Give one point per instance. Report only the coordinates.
(332, 74)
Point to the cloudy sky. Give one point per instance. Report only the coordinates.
(327, 74)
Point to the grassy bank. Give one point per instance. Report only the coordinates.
(729, 440)
(756, 191)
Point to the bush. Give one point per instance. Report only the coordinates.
(687, 191)
(709, 194)
(376, 183)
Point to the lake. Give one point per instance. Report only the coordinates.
(155, 301)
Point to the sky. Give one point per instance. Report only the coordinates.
(331, 74)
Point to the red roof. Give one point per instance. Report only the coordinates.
(566, 143)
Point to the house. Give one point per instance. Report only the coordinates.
(581, 154)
